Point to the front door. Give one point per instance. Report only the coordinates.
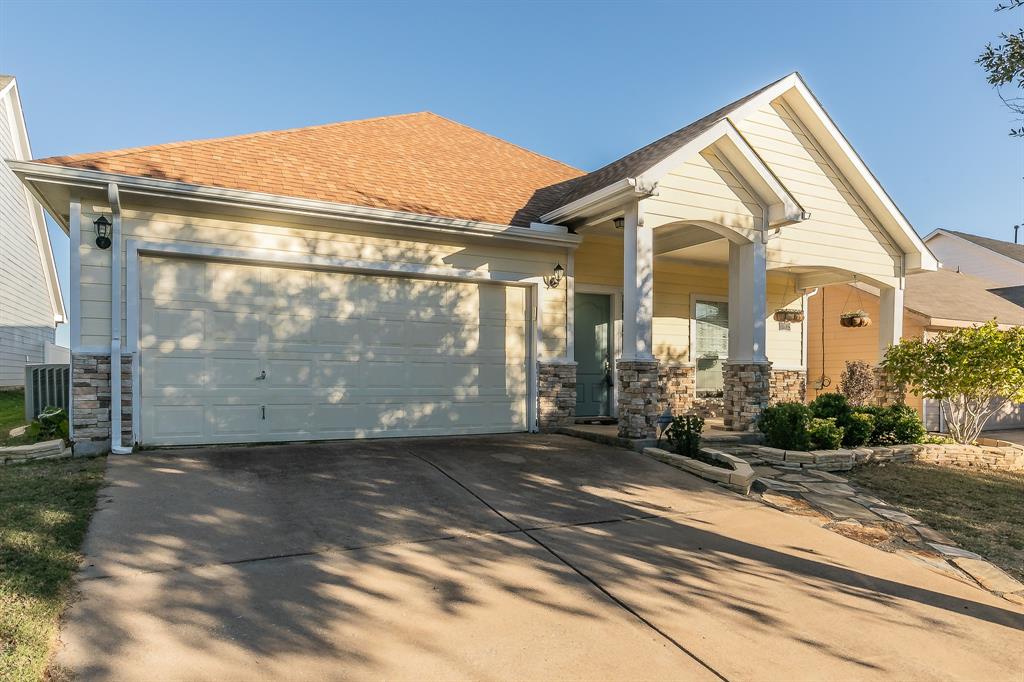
(593, 368)
(712, 346)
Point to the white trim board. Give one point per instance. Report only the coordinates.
(33, 173)
(137, 249)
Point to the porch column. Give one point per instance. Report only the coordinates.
(890, 331)
(747, 387)
(637, 369)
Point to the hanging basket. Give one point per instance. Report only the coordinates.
(857, 318)
(788, 315)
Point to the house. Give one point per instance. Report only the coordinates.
(409, 275)
(936, 301)
(30, 301)
(991, 259)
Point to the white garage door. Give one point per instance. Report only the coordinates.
(238, 353)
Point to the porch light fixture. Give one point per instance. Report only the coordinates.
(102, 232)
(555, 279)
(620, 223)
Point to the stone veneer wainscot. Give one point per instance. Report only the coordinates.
(90, 402)
(639, 398)
(556, 394)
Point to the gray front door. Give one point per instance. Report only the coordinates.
(593, 341)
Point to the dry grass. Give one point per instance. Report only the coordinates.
(982, 510)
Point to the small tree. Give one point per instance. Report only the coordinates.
(857, 382)
(972, 372)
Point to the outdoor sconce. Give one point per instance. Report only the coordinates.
(102, 232)
(556, 279)
(619, 223)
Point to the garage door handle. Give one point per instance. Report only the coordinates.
(263, 374)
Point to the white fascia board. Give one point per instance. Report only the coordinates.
(23, 152)
(803, 101)
(32, 173)
(813, 115)
(783, 208)
(627, 189)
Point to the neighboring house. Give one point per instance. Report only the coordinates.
(934, 302)
(397, 276)
(30, 300)
(994, 260)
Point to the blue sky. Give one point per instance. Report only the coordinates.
(581, 82)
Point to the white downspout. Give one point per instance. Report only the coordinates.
(115, 324)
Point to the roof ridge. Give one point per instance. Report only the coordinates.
(114, 153)
(504, 141)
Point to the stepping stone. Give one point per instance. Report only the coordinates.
(868, 500)
(764, 471)
(897, 516)
(931, 535)
(855, 530)
(781, 485)
(840, 507)
(1015, 597)
(829, 476)
(952, 552)
(797, 478)
(990, 577)
(830, 488)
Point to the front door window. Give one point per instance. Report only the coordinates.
(712, 346)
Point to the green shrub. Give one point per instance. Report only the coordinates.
(824, 433)
(858, 429)
(684, 434)
(895, 425)
(785, 426)
(831, 406)
(51, 423)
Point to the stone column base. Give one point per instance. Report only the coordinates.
(639, 398)
(886, 392)
(788, 386)
(556, 394)
(747, 393)
(678, 388)
(90, 402)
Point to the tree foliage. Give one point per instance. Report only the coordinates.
(857, 382)
(1004, 65)
(972, 372)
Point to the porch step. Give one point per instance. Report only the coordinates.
(596, 420)
(606, 435)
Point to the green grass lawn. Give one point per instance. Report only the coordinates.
(44, 511)
(12, 412)
(982, 510)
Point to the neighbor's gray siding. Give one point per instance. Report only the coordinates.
(26, 315)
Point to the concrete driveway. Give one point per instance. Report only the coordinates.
(513, 557)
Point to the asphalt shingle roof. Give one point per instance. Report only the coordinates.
(419, 163)
(950, 295)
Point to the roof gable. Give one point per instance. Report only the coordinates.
(418, 163)
(1008, 249)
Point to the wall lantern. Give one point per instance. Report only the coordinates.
(102, 232)
(556, 279)
(619, 223)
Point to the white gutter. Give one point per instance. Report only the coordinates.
(115, 323)
(34, 172)
(611, 196)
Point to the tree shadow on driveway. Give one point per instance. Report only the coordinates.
(367, 559)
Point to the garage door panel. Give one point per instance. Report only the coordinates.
(345, 355)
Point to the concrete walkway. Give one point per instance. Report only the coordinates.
(519, 557)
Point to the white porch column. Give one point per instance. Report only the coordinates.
(637, 287)
(890, 318)
(748, 282)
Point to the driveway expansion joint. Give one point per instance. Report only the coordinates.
(615, 600)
